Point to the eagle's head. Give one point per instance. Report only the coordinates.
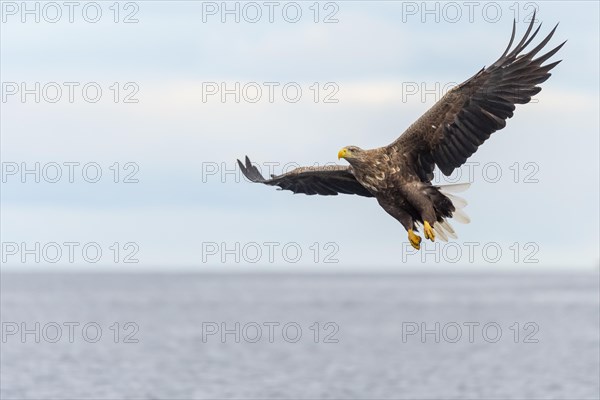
(351, 153)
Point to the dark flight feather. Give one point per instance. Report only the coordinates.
(326, 180)
(468, 114)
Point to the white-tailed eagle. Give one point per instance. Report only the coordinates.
(399, 175)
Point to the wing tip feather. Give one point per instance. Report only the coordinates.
(250, 171)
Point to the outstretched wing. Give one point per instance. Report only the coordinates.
(452, 130)
(326, 180)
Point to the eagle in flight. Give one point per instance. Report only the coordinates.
(399, 175)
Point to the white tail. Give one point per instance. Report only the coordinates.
(454, 188)
(443, 229)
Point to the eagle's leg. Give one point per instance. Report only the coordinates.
(415, 240)
(428, 230)
(423, 204)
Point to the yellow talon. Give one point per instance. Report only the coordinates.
(415, 240)
(428, 230)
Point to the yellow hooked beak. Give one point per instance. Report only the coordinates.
(342, 153)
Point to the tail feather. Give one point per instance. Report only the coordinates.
(457, 202)
(455, 188)
(448, 228)
(442, 197)
(460, 216)
(439, 232)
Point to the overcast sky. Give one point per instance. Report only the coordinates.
(165, 99)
